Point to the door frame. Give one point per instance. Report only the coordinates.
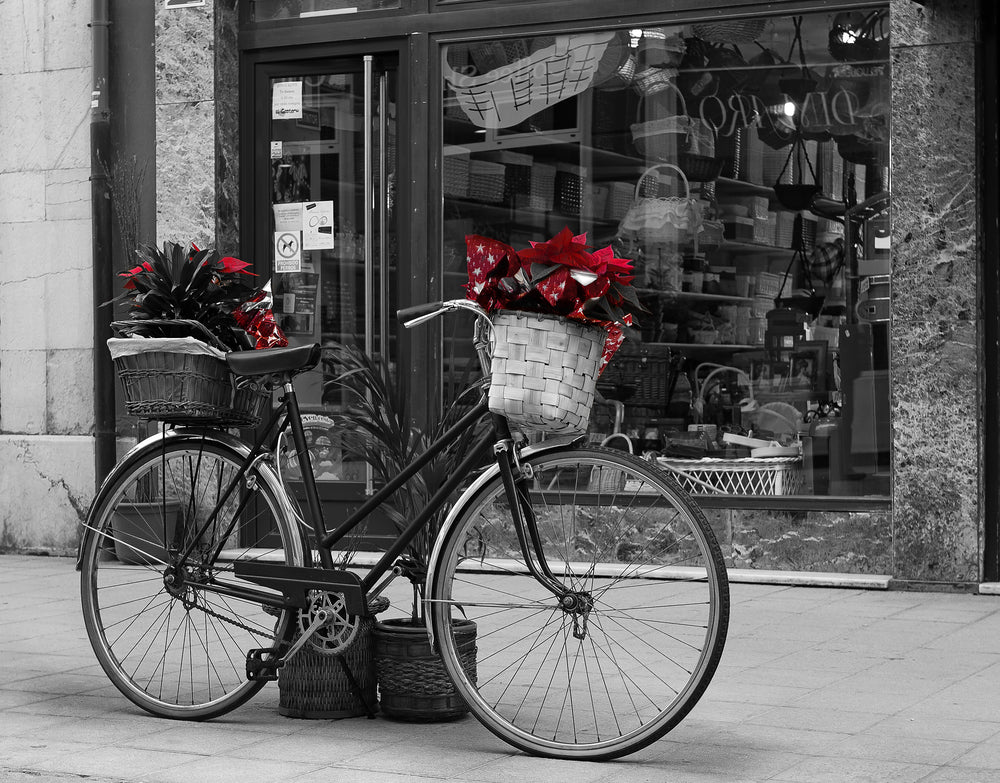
(413, 351)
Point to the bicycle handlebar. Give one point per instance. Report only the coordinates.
(418, 314)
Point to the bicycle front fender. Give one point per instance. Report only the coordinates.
(463, 502)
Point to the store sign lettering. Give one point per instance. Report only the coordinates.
(831, 110)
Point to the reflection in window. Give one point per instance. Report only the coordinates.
(743, 167)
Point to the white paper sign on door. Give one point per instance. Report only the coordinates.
(287, 251)
(286, 100)
(288, 217)
(317, 225)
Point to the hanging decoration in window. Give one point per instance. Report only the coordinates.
(527, 83)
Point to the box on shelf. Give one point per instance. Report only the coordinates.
(810, 230)
(772, 164)
(784, 228)
(620, 197)
(517, 173)
(569, 187)
(486, 181)
(739, 229)
(455, 171)
(754, 158)
(595, 201)
(830, 170)
(763, 229)
(543, 186)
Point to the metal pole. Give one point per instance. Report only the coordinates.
(100, 194)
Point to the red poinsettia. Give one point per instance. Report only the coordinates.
(558, 277)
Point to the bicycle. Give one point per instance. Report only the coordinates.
(597, 586)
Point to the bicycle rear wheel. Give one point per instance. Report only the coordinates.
(171, 635)
(628, 656)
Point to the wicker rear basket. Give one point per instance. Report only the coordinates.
(544, 371)
(186, 389)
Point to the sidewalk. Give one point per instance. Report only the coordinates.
(816, 685)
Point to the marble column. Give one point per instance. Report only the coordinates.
(936, 357)
(185, 125)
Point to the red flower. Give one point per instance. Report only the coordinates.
(145, 266)
(230, 264)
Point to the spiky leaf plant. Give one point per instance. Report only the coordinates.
(186, 283)
(378, 428)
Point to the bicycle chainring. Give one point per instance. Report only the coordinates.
(339, 626)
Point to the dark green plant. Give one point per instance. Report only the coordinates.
(378, 428)
(186, 283)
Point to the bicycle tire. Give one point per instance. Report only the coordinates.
(616, 529)
(181, 652)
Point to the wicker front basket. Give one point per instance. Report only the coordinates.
(185, 388)
(544, 372)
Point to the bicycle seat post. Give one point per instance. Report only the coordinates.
(305, 467)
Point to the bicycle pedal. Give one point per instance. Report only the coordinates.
(261, 670)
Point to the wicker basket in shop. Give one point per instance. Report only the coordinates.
(455, 174)
(516, 175)
(767, 284)
(185, 388)
(747, 476)
(620, 196)
(486, 181)
(543, 187)
(544, 371)
(569, 188)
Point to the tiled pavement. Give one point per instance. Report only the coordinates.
(816, 685)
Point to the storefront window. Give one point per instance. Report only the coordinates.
(743, 167)
(271, 10)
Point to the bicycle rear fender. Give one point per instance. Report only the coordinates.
(182, 435)
(492, 472)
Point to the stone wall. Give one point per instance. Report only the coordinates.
(46, 292)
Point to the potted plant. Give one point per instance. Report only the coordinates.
(377, 428)
(186, 284)
(191, 306)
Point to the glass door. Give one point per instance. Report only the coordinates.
(325, 218)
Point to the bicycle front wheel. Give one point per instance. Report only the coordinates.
(172, 632)
(627, 650)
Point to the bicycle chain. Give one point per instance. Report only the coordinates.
(188, 605)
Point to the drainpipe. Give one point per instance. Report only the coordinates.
(100, 194)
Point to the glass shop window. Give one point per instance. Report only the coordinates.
(273, 10)
(742, 166)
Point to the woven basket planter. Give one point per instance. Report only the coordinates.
(314, 685)
(544, 371)
(413, 684)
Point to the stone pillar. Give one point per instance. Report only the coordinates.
(935, 335)
(197, 125)
(185, 125)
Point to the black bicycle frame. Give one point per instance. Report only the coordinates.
(524, 518)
